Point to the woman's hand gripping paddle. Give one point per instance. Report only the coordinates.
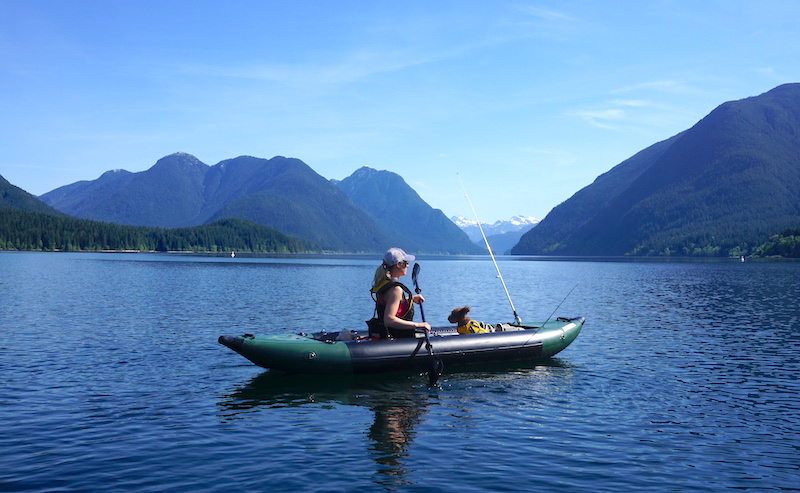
(435, 364)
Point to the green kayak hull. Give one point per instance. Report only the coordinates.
(321, 353)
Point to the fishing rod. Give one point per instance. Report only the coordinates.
(517, 320)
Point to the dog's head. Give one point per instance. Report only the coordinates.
(459, 315)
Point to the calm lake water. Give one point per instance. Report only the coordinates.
(685, 378)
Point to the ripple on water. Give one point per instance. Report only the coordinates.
(683, 379)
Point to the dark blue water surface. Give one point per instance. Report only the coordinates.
(685, 378)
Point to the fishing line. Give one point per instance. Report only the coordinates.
(559, 305)
(551, 315)
(517, 320)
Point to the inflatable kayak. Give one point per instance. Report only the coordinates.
(350, 352)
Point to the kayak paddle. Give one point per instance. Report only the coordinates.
(435, 364)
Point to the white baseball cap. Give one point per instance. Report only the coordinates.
(395, 255)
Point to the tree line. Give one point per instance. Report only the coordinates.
(785, 244)
(21, 230)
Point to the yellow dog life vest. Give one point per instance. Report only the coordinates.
(471, 327)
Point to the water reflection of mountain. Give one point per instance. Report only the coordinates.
(398, 402)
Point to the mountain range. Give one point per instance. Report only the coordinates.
(282, 193)
(502, 235)
(721, 187)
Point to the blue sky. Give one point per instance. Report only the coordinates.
(526, 101)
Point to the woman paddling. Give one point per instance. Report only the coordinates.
(394, 303)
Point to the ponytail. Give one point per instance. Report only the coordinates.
(381, 275)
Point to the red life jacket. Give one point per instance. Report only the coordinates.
(377, 327)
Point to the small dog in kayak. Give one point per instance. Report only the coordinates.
(465, 325)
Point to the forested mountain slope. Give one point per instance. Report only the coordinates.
(388, 198)
(719, 188)
(13, 197)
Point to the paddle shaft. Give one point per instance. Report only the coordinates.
(422, 314)
(435, 363)
(414, 274)
(421, 310)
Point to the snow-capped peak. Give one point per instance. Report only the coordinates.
(463, 222)
(516, 223)
(513, 224)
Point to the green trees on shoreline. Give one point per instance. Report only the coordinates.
(21, 230)
(785, 244)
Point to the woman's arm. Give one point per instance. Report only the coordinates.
(393, 298)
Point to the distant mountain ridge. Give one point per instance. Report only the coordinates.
(168, 195)
(719, 188)
(499, 227)
(282, 193)
(387, 197)
(502, 235)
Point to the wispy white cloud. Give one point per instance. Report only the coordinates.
(351, 68)
(602, 118)
(669, 86)
(634, 103)
(769, 71)
(552, 24)
(624, 114)
(548, 14)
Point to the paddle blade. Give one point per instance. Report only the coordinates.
(435, 370)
